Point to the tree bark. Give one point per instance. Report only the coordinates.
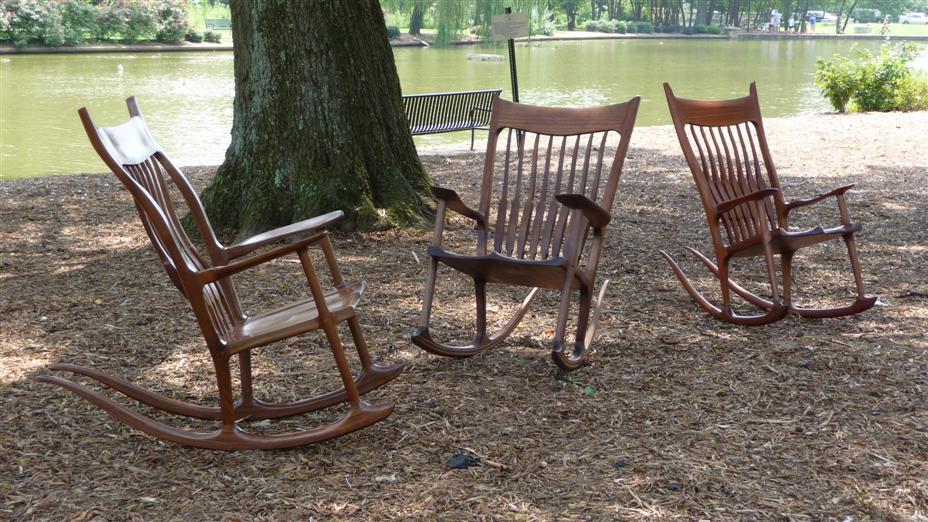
(318, 121)
(415, 20)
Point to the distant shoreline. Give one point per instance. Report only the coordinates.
(407, 41)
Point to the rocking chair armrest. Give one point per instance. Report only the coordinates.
(806, 202)
(595, 214)
(216, 273)
(456, 204)
(725, 206)
(272, 236)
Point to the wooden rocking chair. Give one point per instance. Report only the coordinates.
(746, 210)
(139, 163)
(542, 197)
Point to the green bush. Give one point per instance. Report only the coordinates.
(111, 21)
(912, 93)
(212, 37)
(645, 27)
(171, 21)
(541, 22)
(194, 37)
(631, 26)
(141, 21)
(60, 22)
(620, 27)
(393, 32)
(879, 77)
(79, 20)
(713, 29)
(837, 79)
(873, 83)
(28, 20)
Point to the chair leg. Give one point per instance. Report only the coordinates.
(786, 262)
(480, 307)
(576, 357)
(724, 286)
(244, 364)
(855, 264)
(427, 299)
(226, 395)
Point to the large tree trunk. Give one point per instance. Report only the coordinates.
(415, 20)
(318, 121)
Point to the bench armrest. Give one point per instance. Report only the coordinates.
(595, 214)
(272, 236)
(454, 203)
(811, 201)
(753, 196)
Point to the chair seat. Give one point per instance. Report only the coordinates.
(785, 241)
(496, 268)
(294, 319)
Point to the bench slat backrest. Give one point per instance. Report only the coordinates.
(450, 111)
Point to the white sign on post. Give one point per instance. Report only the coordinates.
(510, 26)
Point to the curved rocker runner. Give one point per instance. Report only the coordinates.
(746, 210)
(546, 198)
(139, 163)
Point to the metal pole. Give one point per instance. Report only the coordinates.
(512, 66)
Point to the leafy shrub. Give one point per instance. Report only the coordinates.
(212, 37)
(600, 26)
(620, 27)
(871, 83)
(111, 21)
(26, 20)
(713, 29)
(879, 78)
(393, 32)
(194, 37)
(667, 28)
(79, 19)
(701, 29)
(140, 21)
(171, 21)
(542, 22)
(912, 93)
(631, 26)
(645, 27)
(837, 78)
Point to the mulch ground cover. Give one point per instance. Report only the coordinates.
(677, 415)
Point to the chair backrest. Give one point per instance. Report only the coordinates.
(136, 159)
(726, 150)
(535, 153)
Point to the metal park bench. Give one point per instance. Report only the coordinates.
(218, 23)
(449, 112)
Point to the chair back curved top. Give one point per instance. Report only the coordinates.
(726, 150)
(535, 153)
(132, 154)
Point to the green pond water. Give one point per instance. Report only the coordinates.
(187, 97)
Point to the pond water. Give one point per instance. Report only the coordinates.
(187, 97)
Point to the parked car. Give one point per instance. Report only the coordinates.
(829, 17)
(913, 18)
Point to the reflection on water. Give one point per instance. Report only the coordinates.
(187, 97)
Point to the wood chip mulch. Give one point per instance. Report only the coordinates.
(677, 416)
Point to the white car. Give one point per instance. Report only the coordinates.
(914, 18)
